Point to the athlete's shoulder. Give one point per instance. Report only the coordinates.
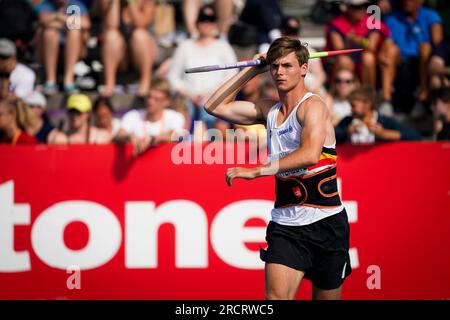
(314, 102)
(313, 107)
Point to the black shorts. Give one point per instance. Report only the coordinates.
(319, 249)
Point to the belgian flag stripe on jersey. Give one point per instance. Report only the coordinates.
(327, 157)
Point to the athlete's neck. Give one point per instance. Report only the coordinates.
(291, 98)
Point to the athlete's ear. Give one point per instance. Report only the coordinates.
(304, 69)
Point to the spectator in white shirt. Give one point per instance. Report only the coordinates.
(21, 78)
(204, 50)
(154, 124)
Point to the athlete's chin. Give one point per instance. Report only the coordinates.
(283, 87)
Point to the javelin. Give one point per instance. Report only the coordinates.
(252, 63)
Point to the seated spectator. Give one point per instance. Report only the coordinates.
(224, 10)
(15, 119)
(415, 30)
(126, 40)
(366, 125)
(78, 129)
(154, 124)
(56, 28)
(204, 50)
(439, 67)
(42, 126)
(343, 84)
(316, 77)
(104, 117)
(351, 30)
(21, 78)
(442, 114)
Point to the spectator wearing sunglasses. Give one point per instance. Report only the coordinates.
(343, 84)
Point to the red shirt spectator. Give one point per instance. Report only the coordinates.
(22, 137)
(343, 26)
(15, 118)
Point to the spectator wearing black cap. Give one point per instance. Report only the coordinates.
(17, 77)
(224, 10)
(204, 50)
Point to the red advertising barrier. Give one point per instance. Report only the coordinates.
(91, 222)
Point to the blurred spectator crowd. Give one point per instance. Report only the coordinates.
(90, 51)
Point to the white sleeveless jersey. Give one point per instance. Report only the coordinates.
(283, 140)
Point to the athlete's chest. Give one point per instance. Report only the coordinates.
(285, 137)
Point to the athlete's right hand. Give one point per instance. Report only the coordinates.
(264, 66)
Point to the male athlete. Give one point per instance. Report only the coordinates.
(308, 236)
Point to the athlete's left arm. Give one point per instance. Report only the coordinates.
(314, 127)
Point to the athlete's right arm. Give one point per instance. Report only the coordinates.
(222, 105)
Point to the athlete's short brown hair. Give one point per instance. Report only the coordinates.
(285, 45)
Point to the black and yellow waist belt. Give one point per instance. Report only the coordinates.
(315, 190)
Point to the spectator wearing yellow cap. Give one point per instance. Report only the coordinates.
(78, 129)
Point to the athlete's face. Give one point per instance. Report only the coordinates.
(286, 72)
